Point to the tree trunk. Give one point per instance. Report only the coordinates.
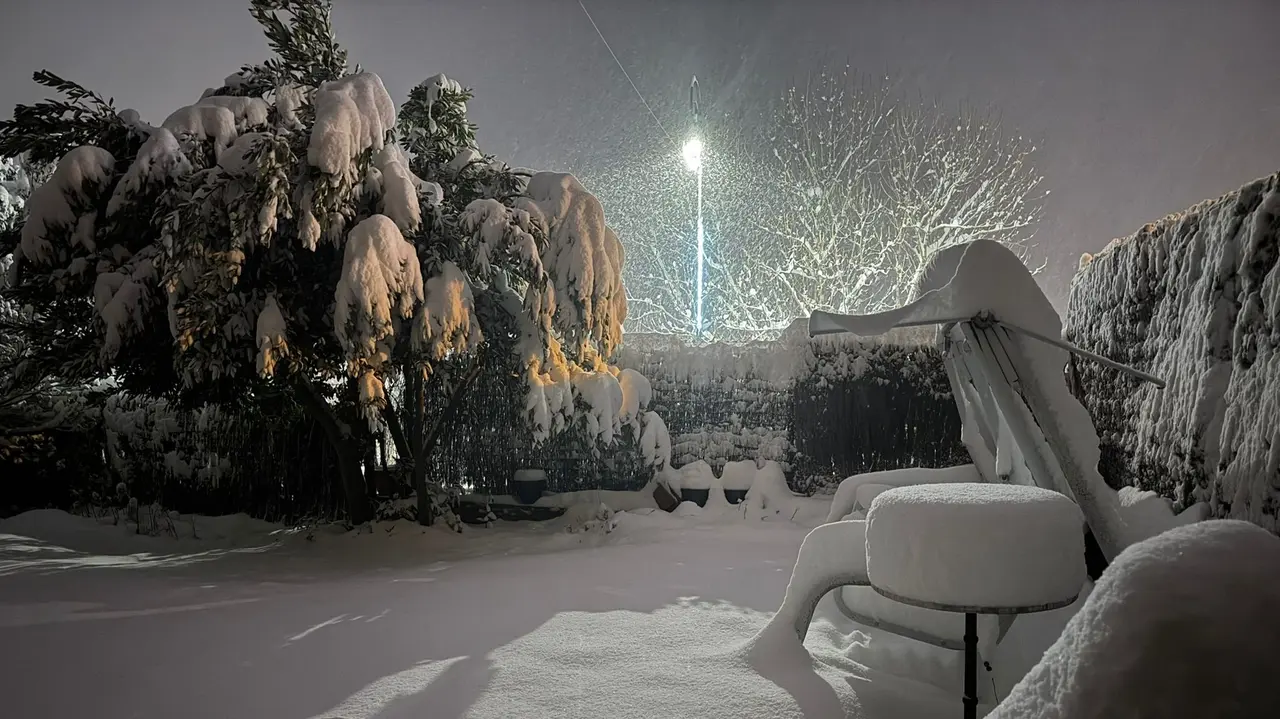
(347, 448)
(392, 418)
(425, 442)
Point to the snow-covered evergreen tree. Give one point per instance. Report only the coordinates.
(292, 229)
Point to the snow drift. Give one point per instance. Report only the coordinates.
(1180, 625)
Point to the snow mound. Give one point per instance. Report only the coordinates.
(739, 475)
(121, 298)
(687, 509)
(1180, 625)
(104, 536)
(976, 545)
(769, 494)
(289, 100)
(697, 475)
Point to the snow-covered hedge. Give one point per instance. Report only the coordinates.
(614, 442)
(1195, 300)
(824, 408)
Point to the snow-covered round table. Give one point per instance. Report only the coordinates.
(976, 548)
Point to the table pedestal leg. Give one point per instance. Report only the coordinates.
(970, 666)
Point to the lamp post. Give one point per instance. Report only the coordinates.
(693, 160)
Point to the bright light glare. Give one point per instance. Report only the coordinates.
(693, 154)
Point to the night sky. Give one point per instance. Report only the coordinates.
(1139, 107)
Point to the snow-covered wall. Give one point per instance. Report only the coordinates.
(1195, 300)
(824, 408)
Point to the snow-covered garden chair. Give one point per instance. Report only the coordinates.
(1021, 424)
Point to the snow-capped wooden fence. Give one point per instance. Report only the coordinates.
(1193, 299)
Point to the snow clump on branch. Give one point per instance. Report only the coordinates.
(66, 201)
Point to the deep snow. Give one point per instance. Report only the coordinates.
(648, 620)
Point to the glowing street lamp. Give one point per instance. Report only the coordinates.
(693, 153)
(693, 160)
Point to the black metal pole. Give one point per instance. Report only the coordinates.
(970, 665)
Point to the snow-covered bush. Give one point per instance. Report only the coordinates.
(1193, 299)
(293, 228)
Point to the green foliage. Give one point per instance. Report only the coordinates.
(433, 125)
(49, 129)
(306, 51)
(161, 283)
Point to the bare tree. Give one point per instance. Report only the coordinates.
(837, 206)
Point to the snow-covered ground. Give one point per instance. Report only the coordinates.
(648, 620)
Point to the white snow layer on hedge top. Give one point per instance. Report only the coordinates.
(353, 114)
(270, 333)
(203, 122)
(1195, 300)
(976, 545)
(381, 280)
(159, 160)
(985, 276)
(1180, 625)
(447, 324)
(583, 257)
(64, 202)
